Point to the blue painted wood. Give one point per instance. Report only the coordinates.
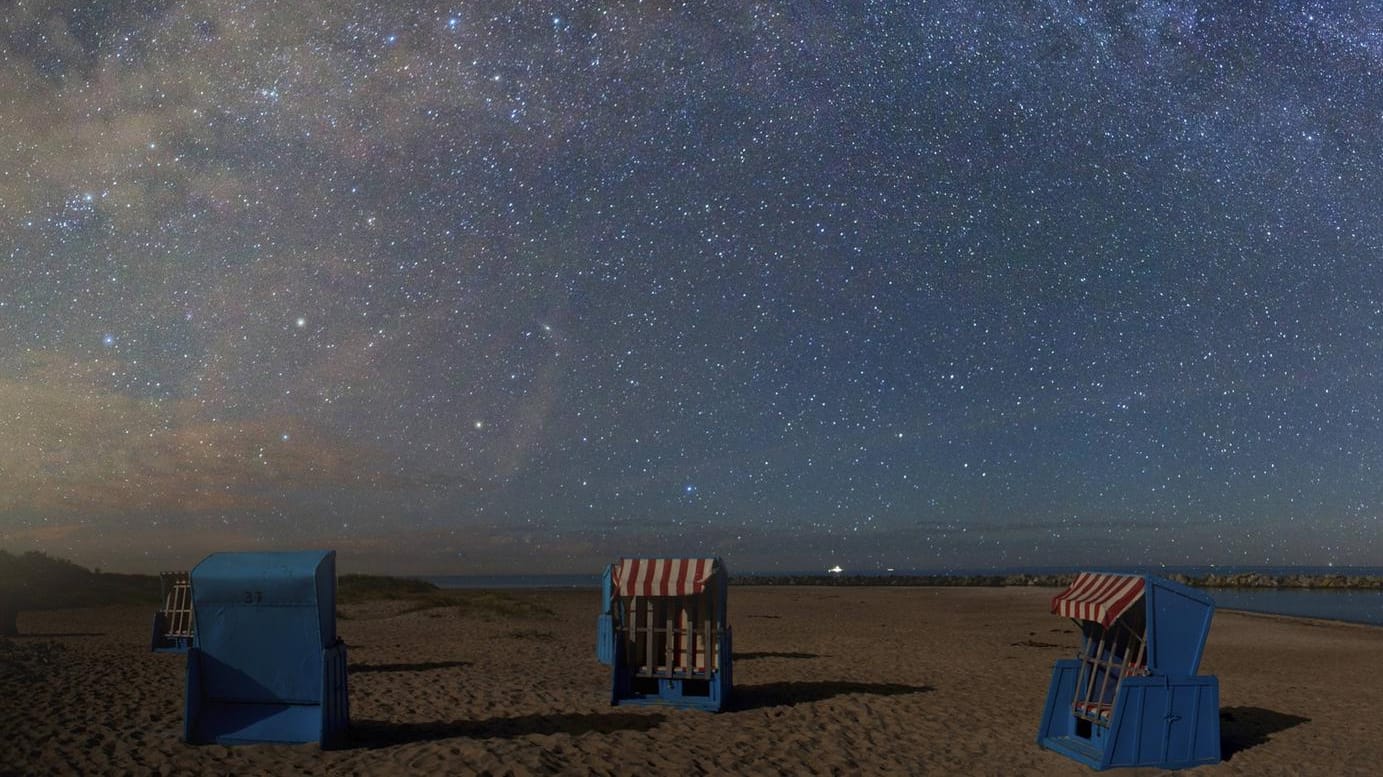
(1178, 626)
(1170, 718)
(266, 664)
(605, 626)
(605, 639)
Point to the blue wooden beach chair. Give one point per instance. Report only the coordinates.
(1132, 697)
(669, 640)
(174, 626)
(266, 664)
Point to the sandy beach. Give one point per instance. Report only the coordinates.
(827, 681)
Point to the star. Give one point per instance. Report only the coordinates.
(910, 286)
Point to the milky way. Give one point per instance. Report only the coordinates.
(480, 287)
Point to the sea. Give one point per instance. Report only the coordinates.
(1354, 606)
(1335, 605)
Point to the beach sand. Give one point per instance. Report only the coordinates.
(846, 681)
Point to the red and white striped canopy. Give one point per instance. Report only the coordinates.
(663, 576)
(1098, 598)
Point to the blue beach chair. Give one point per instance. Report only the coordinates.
(1132, 697)
(668, 640)
(266, 664)
(174, 627)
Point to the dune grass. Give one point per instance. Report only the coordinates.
(37, 581)
(353, 589)
(419, 595)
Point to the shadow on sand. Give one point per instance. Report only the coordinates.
(753, 656)
(1243, 728)
(423, 667)
(749, 697)
(380, 733)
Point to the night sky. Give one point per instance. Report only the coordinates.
(513, 286)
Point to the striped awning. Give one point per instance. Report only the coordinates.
(1099, 598)
(663, 576)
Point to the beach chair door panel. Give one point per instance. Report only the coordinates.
(1165, 721)
(1193, 721)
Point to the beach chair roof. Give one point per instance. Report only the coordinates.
(1099, 597)
(1177, 617)
(663, 576)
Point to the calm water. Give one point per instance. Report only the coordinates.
(1354, 606)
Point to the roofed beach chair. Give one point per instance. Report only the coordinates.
(265, 663)
(174, 626)
(1132, 697)
(669, 640)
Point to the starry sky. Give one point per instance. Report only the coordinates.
(483, 287)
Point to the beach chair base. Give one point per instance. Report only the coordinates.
(210, 721)
(1157, 721)
(685, 693)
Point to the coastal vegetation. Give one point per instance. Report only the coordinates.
(37, 581)
(353, 589)
(418, 595)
